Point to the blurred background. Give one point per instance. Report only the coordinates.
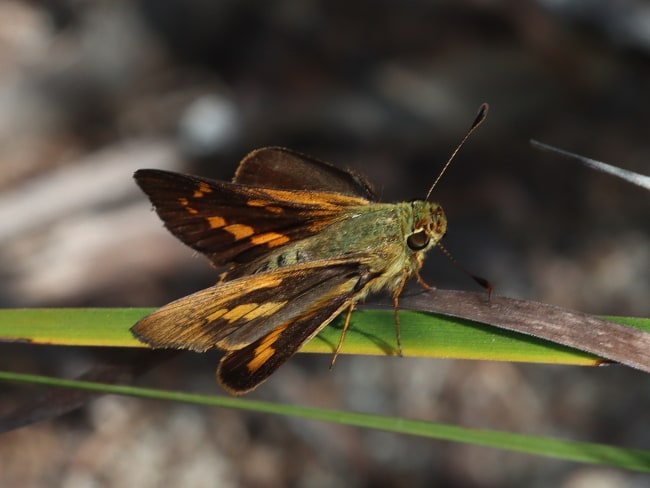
(91, 91)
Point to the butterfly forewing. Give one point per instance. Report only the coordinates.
(233, 223)
(236, 313)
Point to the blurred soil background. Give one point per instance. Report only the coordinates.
(91, 91)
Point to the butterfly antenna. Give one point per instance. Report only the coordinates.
(480, 117)
(482, 282)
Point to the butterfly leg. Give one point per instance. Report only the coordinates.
(397, 328)
(423, 283)
(345, 329)
(396, 294)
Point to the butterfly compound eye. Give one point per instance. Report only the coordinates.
(418, 240)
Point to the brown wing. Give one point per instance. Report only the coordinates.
(234, 314)
(233, 223)
(244, 369)
(281, 168)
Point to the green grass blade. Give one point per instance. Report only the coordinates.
(71, 326)
(584, 452)
(371, 332)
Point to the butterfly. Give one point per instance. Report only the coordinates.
(302, 241)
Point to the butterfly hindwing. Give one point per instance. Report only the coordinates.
(281, 168)
(244, 369)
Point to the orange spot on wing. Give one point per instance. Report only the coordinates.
(186, 203)
(265, 205)
(267, 281)
(265, 350)
(272, 239)
(320, 199)
(239, 311)
(239, 231)
(216, 315)
(257, 203)
(216, 222)
(265, 310)
(202, 190)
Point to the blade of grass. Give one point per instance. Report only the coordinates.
(52, 402)
(584, 452)
(371, 331)
(630, 176)
(609, 340)
(71, 326)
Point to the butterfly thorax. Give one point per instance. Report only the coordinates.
(405, 231)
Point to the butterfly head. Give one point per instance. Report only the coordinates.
(429, 226)
(429, 221)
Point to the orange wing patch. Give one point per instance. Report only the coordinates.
(271, 239)
(249, 311)
(216, 222)
(202, 190)
(185, 203)
(239, 311)
(239, 231)
(265, 350)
